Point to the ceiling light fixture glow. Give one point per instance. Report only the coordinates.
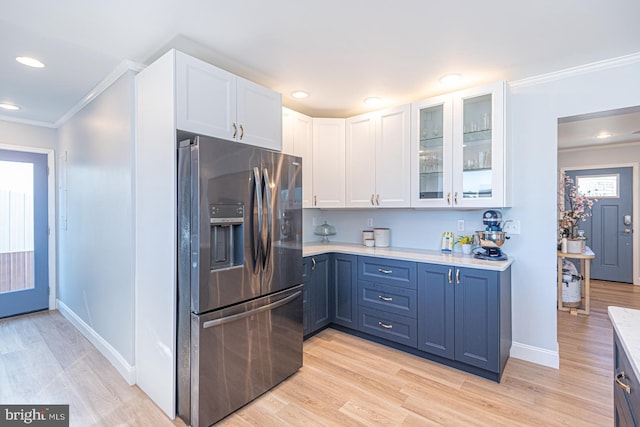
(603, 135)
(450, 79)
(372, 101)
(7, 106)
(300, 94)
(30, 62)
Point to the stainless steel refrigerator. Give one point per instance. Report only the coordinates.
(239, 275)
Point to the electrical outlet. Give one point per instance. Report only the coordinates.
(461, 225)
(369, 222)
(511, 226)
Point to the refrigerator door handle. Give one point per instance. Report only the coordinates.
(234, 317)
(256, 200)
(269, 207)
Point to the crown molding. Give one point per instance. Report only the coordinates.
(118, 72)
(576, 71)
(27, 122)
(599, 147)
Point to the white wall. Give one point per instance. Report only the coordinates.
(533, 110)
(601, 155)
(27, 135)
(96, 269)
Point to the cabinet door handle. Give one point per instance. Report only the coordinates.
(387, 299)
(372, 204)
(383, 271)
(457, 276)
(449, 276)
(625, 387)
(384, 325)
(455, 197)
(241, 132)
(449, 198)
(235, 130)
(315, 200)
(378, 199)
(313, 263)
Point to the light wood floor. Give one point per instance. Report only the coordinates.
(345, 380)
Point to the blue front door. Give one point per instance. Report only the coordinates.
(609, 230)
(24, 230)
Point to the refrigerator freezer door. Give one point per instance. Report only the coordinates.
(242, 351)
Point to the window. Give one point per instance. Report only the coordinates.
(599, 186)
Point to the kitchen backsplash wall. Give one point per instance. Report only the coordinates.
(410, 228)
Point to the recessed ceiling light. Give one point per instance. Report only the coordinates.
(300, 94)
(603, 135)
(450, 79)
(372, 101)
(7, 106)
(29, 62)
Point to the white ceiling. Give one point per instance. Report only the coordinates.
(340, 51)
(622, 126)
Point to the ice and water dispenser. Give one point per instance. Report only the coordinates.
(227, 228)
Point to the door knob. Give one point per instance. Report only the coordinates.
(628, 230)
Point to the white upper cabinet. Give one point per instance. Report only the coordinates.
(297, 139)
(328, 163)
(259, 118)
(479, 144)
(459, 150)
(378, 159)
(211, 101)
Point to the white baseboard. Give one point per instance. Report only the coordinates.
(538, 355)
(127, 371)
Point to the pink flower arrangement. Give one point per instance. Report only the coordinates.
(579, 208)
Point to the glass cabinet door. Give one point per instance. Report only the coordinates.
(476, 148)
(479, 147)
(433, 155)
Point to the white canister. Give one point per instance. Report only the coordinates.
(366, 235)
(382, 237)
(370, 243)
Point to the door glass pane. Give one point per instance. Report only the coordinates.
(476, 149)
(431, 153)
(16, 226)
(600, 186)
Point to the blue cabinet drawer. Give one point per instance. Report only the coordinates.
(387, 271)
(392, 299)
(386, 325)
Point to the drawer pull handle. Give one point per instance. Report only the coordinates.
(380, 297)
(383, 271)
(384, 325)
(625, 387)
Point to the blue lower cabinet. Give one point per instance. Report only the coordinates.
(345, 291)
(387, 325)
(626, 400)
(317, 290)
(464, 314)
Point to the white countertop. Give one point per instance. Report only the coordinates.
(418, 255)
(626, 322)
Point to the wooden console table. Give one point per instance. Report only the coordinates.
(585, 271)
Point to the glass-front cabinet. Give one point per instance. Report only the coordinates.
(432, 155)
(459, 149)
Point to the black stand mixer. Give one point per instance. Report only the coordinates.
(492, 237)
